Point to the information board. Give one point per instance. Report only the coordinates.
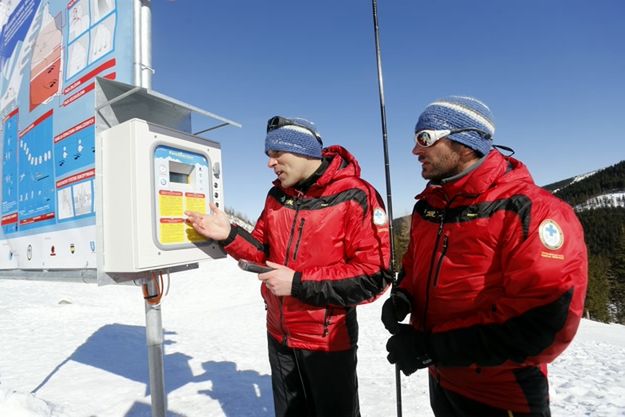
(50, 54)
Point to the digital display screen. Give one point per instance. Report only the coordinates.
(178, 177)
(179, 172)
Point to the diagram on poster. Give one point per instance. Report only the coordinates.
(102, 8)
(9, 178)
(78, 19)
(66, 206)
(18, 36)
(77, 55)
(102, 38)
(45, 65)
(91, 33)
(36, 182)
(83, 198)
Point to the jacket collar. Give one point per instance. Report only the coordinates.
(304, 185)
(489, 171)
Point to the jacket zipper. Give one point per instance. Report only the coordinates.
(440, 260)
(286, 263)
(299, 237)
(292, 233)
(429, 280)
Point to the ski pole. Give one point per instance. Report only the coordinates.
(387, 174)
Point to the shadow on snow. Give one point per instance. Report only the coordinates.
(121, 350)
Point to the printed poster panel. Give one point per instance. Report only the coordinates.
(51, 51)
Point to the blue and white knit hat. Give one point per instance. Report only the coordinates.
(297, 138)
(457, 112)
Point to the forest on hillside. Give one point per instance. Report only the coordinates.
(608, 180)
(604, 230)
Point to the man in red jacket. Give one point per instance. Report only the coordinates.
(495, 273)
(325, 232)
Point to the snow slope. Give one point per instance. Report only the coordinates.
(78, 350)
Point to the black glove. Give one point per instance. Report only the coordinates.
(395, 309)
(408, 348)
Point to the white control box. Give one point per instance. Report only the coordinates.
(146, 177)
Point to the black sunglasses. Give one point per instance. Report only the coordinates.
(277, 122)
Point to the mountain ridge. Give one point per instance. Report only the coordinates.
(601, 188)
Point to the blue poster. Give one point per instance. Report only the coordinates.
(51, 52)
(35, 181)
(9, 178)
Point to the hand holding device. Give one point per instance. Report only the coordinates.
(253, 267)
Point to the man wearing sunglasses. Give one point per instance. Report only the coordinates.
(495, 274)
(324, 231)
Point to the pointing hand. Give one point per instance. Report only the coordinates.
(214, 226)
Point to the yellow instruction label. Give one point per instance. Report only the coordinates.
(172, 231)
(170, 203)
(195, 202)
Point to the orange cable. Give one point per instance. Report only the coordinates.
(156, 298)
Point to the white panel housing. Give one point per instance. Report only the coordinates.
(128, 217)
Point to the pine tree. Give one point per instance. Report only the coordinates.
(598, 295)
(618, 273)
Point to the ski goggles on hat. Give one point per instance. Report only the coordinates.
(277, 122)
(428, 138)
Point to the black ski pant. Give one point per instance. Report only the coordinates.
(447, 403)
(310, 383)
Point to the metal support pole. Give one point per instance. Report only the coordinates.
(154, 341)
(146, 44)
(387, 172)
(153, 322)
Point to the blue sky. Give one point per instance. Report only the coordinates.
(552, 72)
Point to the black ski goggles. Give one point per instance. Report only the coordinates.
(277, 122)
(427, 138)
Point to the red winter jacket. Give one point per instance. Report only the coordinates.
(335, 236)
(497, 271)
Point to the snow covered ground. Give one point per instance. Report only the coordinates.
(78, 350)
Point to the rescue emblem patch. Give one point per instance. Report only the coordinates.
(379, 216)
(551, 234)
